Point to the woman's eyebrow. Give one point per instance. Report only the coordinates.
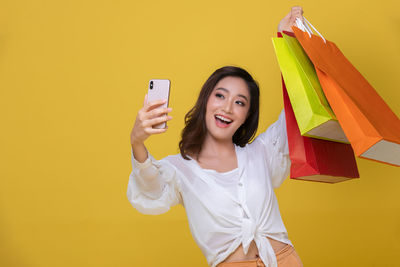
(226, 90)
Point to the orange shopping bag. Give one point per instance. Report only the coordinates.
(369, 124)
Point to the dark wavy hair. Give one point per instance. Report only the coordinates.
(195, 130)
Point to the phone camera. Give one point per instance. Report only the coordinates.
(151, 84)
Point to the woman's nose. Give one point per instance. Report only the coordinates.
(228, 107)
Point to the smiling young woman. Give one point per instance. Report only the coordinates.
(229, 116)
(225, 182)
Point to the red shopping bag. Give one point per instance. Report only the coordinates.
(369, 124)
(316, 159)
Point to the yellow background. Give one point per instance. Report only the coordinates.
(73, 74)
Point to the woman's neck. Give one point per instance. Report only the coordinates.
(216, 148)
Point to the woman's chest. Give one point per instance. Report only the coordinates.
(218, 164)
(235, 192)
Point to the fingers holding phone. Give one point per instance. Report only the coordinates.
(152, 118)
(156, 115)
(159, 90)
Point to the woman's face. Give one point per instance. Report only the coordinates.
(227, 108)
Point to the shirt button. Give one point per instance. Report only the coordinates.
(240, 184)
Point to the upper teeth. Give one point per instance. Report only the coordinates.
(223, 119)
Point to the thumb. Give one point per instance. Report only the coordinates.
(288, 15)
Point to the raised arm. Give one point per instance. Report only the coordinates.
(151, 114)
(153, 185)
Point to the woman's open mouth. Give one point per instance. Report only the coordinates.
(222, 121)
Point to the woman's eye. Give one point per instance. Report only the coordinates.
(240, 103)
(219, 96)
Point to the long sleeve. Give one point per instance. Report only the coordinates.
(275, 144)
(153, 186)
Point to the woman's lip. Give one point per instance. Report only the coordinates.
(224, 117)
(220, 124)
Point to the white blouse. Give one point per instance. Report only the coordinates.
(228, 180)
(220, 219)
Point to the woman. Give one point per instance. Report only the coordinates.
(225, 183)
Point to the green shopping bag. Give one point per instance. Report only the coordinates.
(313, 114)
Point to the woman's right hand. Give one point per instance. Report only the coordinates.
(151, 114)
(290, 19)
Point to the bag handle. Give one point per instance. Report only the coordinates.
(304, 26)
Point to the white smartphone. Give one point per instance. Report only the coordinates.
(159, 89)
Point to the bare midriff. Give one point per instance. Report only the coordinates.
(252, 254)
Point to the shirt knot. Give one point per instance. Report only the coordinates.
(249, 230)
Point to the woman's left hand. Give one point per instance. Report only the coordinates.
(289, 20)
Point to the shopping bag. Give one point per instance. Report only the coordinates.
(315, 159)
(314, 116)
(368, 122)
